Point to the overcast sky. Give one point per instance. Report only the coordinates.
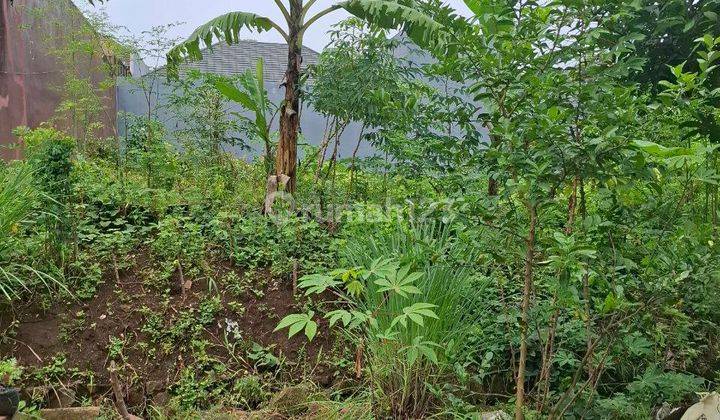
(141, 15)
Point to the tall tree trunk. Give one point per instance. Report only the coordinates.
(286, 157)
(525, 309)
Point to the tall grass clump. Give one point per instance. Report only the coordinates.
(18, 196)
(449, 282)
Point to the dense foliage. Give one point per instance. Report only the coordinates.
(537, 232)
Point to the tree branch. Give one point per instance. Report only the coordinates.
(306, 8)
(316, 17)
(284, 11)
(280, 30)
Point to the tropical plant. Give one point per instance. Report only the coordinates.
(227, 28)
(251, 94)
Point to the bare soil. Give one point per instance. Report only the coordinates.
(119, 309)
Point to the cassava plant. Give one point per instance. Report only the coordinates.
(386, 310)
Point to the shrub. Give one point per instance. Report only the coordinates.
(430, 247)
(50, 154)
(10, 372)
(409, 305)
(180, 245)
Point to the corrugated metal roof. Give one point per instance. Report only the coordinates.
(238, 58)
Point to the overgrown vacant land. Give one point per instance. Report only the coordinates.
(535, 236)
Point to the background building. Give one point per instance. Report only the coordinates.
(229, 60)
(33, 71)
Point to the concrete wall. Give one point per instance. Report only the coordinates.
(30, 77)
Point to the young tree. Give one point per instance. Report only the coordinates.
(227, 28)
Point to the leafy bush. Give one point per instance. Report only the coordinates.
(408, 292)
(10, 372)
(180, 246)
(50, 154)
(248, 392)
(278, 242)
(655, 387)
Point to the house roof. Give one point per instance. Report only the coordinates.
(238, 58)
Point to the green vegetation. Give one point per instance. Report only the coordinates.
(538, 233)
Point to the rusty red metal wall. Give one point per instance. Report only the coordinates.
(30, 77)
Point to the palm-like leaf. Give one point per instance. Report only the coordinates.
(421, 28)
(253, 98)
(226, 27)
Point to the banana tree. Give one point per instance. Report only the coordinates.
(253, 97)
(385, 13)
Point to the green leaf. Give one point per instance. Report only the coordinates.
(310, 330)
(474, 6)
(385, 283)
(412, 355)
(609, 304)
(429, 353)
(387, 335)
(658, 150)
(421, 348)
(355, 288)
(423, 308)
(416, 313)
(401, 319)
(689, 25)
(399, 282)
(226, 27)
(339, 315)
(416, 318)
(288, 320)
(359, 318)
(296, 328)
(234, 94)
(298, 322)
(381, 267)
(317, 283)
(419, 27)
(413, 290)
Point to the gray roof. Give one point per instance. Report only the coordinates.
(238, 58)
